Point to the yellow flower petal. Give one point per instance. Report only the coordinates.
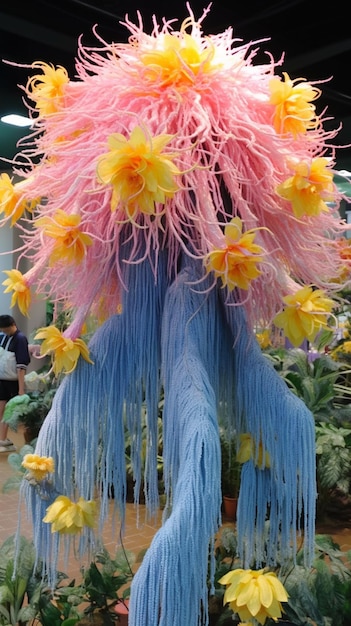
(138, 171)
(309, 188)
(38, 466)
(247, 451)
(179, 59)
(47, 89)
(306, 313)
(21, 296)
(65, 352)
(68, 517)
(294, 111)
(13, 200)
(70, 242)
(254, 594)
(236, 263)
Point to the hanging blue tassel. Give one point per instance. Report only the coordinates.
(170, 586)
(84, 431)
(203, 353)
(286, 492)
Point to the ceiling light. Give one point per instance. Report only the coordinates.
(16, 120)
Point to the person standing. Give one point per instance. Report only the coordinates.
(14, 360)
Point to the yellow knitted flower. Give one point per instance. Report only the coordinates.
(236, 263)
(21, 296)
(68, 517)
(305, 314)
(264, 338)
(294, 112)
(138, 170)
(247, 451)
(65, 352)
(70, 242)
(309, 188)
(254, 594)
(47, 89)
(177, 60)
(13, 201)
(38, 466)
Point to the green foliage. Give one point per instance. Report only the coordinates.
(30, 409)
(320, 594)
(16, 576)
(105, 582)
(322, 384)
(15, 460)
(105, 577)
(230, 467)
(324, 387)
(333, 448)
(58, 608)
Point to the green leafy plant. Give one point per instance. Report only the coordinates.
(105, 582)
(323, 385)
(17, 581)
(333, 450)
(15, 461)
(61, 607)
(321, 593)
(230, 467)
(105, 578)
(318, 595)
(29, 410)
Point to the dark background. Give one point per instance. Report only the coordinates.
(316, 41)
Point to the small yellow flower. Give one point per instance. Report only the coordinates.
(65, 352)
(346, 346)
(38, 466)
(17, 283)
(13, 202)
(264, 339)
(177, 60)
(309, 188)
(236, 263)
(68, 517)
(247, 452)
(305, 314)
(254, 594)
(138, 170)
(294, 112)
(47, 89)
(71, 243)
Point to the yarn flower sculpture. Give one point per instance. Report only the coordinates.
(254, 595)
(180, 194)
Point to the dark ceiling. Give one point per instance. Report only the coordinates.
(316, 42)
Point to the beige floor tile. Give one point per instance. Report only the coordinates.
(138, 531)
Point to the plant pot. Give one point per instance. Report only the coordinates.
(229, 507)
(30, 433)
(97, 618)
(122, 611)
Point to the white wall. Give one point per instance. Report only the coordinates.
(9, 241)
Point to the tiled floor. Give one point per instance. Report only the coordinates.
(138, 532)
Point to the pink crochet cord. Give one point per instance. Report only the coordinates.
(231, 157)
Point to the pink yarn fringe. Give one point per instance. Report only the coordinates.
(222, 122)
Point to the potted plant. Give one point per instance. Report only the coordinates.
(230, 475)
(30, 409)
(318, 595)
(15, 460)
(106, 585)
(96, 599)
(17, 563)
